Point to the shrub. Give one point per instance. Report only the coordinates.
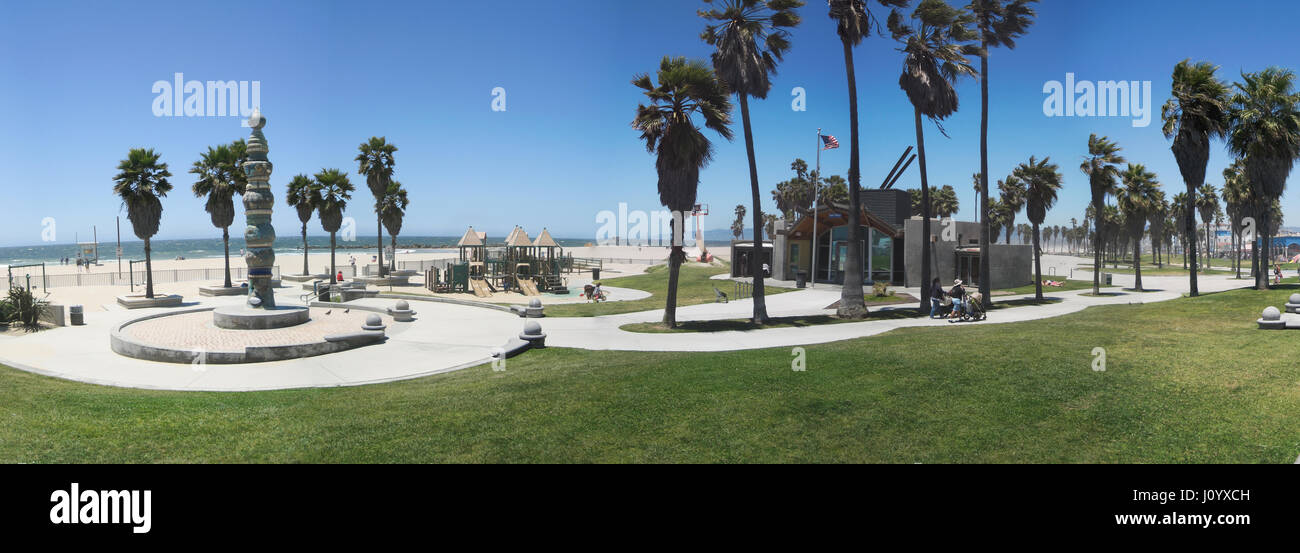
(881, 289)
(25, 308)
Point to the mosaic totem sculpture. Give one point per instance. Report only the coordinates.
(258, 201)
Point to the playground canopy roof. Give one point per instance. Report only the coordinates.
(544, 240)
(518, 238)
(472, 238)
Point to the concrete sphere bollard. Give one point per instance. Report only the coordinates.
(534, 309)
(373, 322)
(533, 334)
(403, 306)
(1271, 314)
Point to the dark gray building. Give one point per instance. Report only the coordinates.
(955, 253)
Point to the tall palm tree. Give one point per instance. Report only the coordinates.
(1237, 200)
(217, 183)
(1012, 192)
(1101, 166)
(1042, 181)
(1155, 225)
(140, 182)
(685, 89)
(304, 197)
(1207, 203)
(738, 226)
(1196, 112)
(933, 59)
(392, 208)
(999, 23)
(1178, 215)
(854, 22)
(750, 37)
(1265, 131)
(334, 190)
(1137, 199)
(376, 162)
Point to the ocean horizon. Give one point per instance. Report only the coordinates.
(196, 248)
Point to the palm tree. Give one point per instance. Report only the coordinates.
(686, 88)
(1042, 181)
(1197, 112)
(141, 181)
(304, 197)
(334, 190)
(375, 161)
(1101, 166)
(1237, 199)
(1207, 203)
(738, 226)
(945, 202)
(1137, 199)
(750, 38)
(1265, 131)
(999, 23)
(1013, 199)
(216, 169)
(1155, 225)
(933, 59)
(392, 208)
(997, 217)
(1178, 212)
(854, 22)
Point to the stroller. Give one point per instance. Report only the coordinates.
(973, 310)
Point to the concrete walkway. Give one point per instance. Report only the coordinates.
(448, 337)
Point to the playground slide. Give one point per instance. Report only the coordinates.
(528, 287)
(480, 287)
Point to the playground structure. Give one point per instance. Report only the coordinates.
(530, 267)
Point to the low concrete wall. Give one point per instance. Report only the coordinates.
(55, 314)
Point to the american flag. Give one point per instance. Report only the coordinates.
(829, 142)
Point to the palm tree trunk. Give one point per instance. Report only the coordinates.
(852, 304)
(392, 260)
(1191, 230)
(305, 271)
(333, 272)
(148, 269)
(674, 268)
(755, 261)
(1096, 249)
(1038, 268)
(925, 212)
(986, 272)
(1137, 264)
(225, 241)
(379, 224)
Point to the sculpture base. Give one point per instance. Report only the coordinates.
(241, 317)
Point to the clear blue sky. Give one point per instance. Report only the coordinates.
(76, 79)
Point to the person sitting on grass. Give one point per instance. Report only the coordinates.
(958, 294)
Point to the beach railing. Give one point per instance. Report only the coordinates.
(137, 277)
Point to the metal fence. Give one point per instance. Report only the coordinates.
(126, 278)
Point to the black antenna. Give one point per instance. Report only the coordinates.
(895, 169)
(900, 172)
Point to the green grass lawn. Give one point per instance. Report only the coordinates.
(693, 287)
(720, 325)
(1190, 380)
(1070, 285)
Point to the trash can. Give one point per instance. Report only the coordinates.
(77, 315)
(1106, 277)
(595, 274)
(801, 279)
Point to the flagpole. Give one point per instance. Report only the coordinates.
(813, 270)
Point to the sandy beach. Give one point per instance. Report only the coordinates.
(618, 261)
